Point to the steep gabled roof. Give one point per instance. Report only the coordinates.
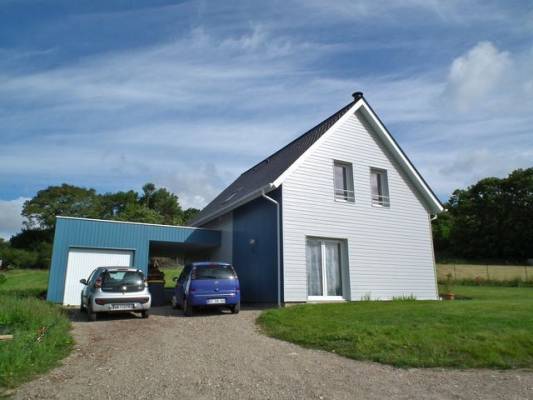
(267, 175)
(268, 170)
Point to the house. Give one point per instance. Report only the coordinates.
(340, 213)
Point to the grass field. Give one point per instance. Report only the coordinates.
(491, 330)
(169, 274)
(30, 282)
(41, 330)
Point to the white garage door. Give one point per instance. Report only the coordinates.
(80, 264)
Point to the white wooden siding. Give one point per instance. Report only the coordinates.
(390, 250)
(225, 225)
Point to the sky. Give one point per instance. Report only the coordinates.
(189, 94)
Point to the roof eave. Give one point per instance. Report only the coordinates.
(232, 206)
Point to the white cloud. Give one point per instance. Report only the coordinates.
(10, 218)
(478, 74)
(447, 10)
(153, 114)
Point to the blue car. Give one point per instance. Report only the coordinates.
(207, 284)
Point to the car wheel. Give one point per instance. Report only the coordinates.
(145, 314)
(91, 315)
(236, 308)
(187, 308)
(82, 307)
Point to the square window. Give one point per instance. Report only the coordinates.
(343, 174)
(379, 187)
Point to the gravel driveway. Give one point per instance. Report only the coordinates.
(222, 356)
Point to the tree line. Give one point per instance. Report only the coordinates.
(491, 220)
(32, 247)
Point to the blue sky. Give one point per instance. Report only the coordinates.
(188, 94)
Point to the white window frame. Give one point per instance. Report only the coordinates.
(346, 194)
(342, 249)
(382, 199)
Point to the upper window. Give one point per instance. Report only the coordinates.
(343, 181)
(379, 187)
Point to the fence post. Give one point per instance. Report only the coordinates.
(525, 270)
(488, 276)
(454, 273)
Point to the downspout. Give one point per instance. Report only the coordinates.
(278, 225)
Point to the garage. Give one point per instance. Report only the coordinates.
(83, 244)
(80, 264)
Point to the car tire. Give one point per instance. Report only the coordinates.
(187, 308)
(145, 314)
(82, 307)
(91, 315)
(236, 308)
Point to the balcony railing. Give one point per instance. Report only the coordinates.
(344, 195)
(380, 200)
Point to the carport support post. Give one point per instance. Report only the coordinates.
(279, 243)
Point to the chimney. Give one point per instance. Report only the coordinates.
(357, 95)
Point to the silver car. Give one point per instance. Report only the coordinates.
(115, 289)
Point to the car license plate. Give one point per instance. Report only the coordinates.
(216, 301)
(126, 306)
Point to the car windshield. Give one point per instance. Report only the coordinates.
(213, 271)
(123, 280)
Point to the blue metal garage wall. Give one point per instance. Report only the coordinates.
(87, 233)
(256, 264)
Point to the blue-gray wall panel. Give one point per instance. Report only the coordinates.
(256, 264)
(79, 233)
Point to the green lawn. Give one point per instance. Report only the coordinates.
(169, 274)
(32, 282)
(493, 329)
(41, 330)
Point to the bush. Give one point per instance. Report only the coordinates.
(487, 282)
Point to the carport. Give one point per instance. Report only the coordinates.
(82, 244)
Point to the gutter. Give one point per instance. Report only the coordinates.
(278, 226)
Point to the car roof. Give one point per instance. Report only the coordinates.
(204, 263)
(111, 268)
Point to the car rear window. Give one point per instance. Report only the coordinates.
(213, 272)
(118, 280)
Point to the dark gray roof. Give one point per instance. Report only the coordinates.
(268, 170)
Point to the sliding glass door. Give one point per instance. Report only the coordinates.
(324, 276)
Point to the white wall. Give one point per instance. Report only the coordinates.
(225, 225)
(390, 250)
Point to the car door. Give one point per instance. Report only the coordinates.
(90, 286)
(86, 289)
(181, 284)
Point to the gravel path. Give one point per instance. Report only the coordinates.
(222, 356)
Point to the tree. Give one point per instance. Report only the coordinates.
(164, 203)
(30, 238)
(66, 200)
(114, 204)
(189, 214)
(489, 220)
(139, 213)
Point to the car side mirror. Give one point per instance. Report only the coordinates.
(83, 281)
